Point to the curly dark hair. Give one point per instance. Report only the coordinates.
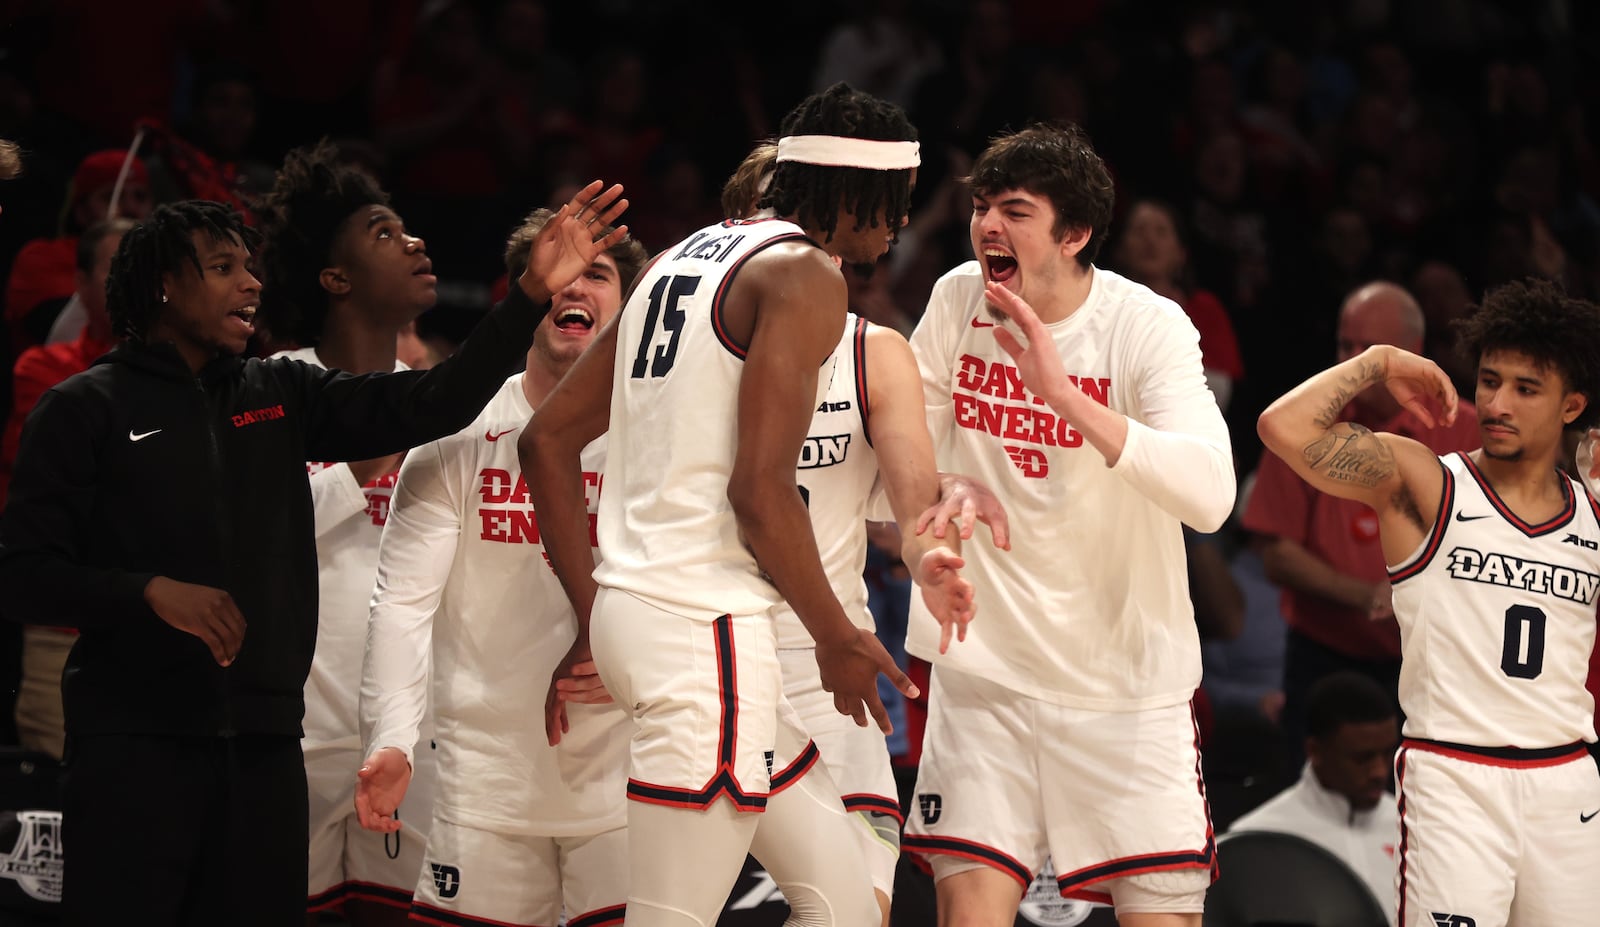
(160, 245)
(812, 194)
(1537, 318)
(312, 196)
(1058, 163)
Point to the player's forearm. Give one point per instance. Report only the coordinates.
(1105, 429)
(774, 522)
(1304, 415)
(1290, 565)
(553, 470)
(1189, 475)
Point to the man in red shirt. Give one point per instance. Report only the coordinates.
(44, 650)
(1323, 551)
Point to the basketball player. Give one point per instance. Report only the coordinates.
(1495, 560)
(341, 278)
(871, 418)
(709, 380)
(463, 590)
(1061, 727)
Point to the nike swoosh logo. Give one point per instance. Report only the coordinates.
(1586, 818)
(1464, 517)
(978, 324)
(497, 435)
(137, 437)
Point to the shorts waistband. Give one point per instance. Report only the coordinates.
(1517, 757)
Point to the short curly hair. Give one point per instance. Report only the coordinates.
(1058, 163)
(813, 194)
(161, 245)
(1538, 319)
(312, 196)
(628, 254)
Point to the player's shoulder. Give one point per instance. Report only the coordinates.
(502, 418)
(1133, 302)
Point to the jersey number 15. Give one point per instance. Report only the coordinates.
(663, 312)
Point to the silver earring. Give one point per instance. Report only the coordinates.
(163, 297)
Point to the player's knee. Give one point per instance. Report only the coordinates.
(1179, 891)
(810, 907)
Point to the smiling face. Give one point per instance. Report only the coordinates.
(381, 267)
(577, 312)
(1150, 249)
(210, 311)
(1013, 235)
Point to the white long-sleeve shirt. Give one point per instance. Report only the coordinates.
(1090, 608)
(464, 587)
(349, 519)
(1364, 840)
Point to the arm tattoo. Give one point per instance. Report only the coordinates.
(1356, 457)
(1368, 373)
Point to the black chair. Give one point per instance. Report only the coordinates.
(1280, 880)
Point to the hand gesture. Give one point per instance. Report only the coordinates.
(207, 613)
(1421, 387)
(1037, 359)
(969, 502)
(380, 787)
(850, 669)
(572, 239)
(576, 679)
(947, 595)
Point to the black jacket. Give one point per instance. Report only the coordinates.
(136, 468)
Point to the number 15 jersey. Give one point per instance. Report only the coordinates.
(666, 530)
(1497, 619)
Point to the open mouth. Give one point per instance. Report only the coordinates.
(574, 320)
(246, 315)
(999, 265)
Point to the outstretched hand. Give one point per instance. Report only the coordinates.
(381, 785)
(850, 669)
(946, 592)
(968, 502)
(1421, 387)
(573, 238)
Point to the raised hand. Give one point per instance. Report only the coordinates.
(946, 593)
(1037, 358)
(850, 669)
(573, 238)
(207, 613)
(1421, 386)
(968, 502)
(381, 785)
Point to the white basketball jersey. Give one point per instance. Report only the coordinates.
(1497, 619)
(836, 472)
(667, 531)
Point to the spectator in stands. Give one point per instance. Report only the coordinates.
(1342, 801)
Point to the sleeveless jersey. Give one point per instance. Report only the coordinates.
(667, 531)
(836, 472)
(1497, 619)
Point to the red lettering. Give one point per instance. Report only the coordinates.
(1098, 389)
(494, 486)
(494, 525)
(969, 376)
(1019, 423)
(519, 496)
(524, 526)
(378, 508)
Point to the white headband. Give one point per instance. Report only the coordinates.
(842, 151)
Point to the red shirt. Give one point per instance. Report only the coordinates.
(1344, 534)
(38, 369)
(1219, 347)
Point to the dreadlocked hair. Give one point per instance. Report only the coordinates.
(312, 196)
(158, 246)
(813, 194)
(1058, 163)
(1536, 318)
